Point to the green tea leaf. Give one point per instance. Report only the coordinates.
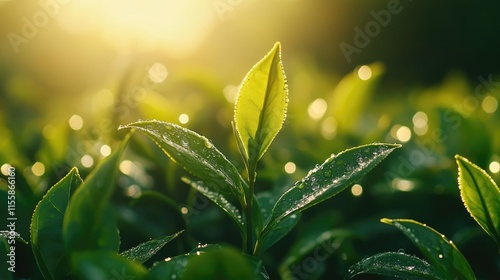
(233, 212)
(88, 221)
(5, 273)
(328, 179)
(106, 265)
(171, 268)
(311, 243)
(260, 108)
(397, 265)
(198, 156)
(47, 225)
(218, 264)
(352, 95)
(481, 196)
(278, 232)
(441, 253)
(146, 250)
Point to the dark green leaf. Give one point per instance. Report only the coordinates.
(233, 212)
(481, 196)
(88, 222)
(198, 156)
(261, 105)
(146, 250)
(441, 253)
(47, 225)
(278, 232)
(336, 174)
(397, 265)
(310, 243)
(94, 265)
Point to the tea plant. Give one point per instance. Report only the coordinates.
(74, 228)
(481, 197)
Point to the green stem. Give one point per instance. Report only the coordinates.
(248, 247)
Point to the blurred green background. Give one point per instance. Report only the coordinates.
(421, 73)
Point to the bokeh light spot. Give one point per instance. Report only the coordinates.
(357, 190)
(87, 161)
(494, 167)
(183, 118)
(365, 72)
(290, 167)
(402, 185)
(105, 150)
(5, 169)
(489, 104)
(329, 128)
(76, 122)
(404, 134)
(38, 169)
(127, 167)
(317, 108)
(158, 73)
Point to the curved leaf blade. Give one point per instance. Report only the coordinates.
(330, 178)
(197, 155)
(260, 108)
(47, 225)
(106, 265)
(397, 265)
(438, 250)
(144, 251)
(88, 222)
(480, 195)
(228, 207)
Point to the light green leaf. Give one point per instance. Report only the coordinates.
(260, 108)
(441, 253)
(481, 196)
(146, 250)
(47, 226)
(221, 263)
(397, 265)
(353, 94)
(197, 155)
(89, 221)
(93, 265)
(328, 179)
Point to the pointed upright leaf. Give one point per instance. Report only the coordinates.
(481, 196)
(441, 253)
(197, 155)
(88, 223)
(144, 251)
(328, 179)
(261, 105)
(47, 225)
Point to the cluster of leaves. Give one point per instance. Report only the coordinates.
(74, 228)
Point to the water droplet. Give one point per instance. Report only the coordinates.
(207, 144)
(168, 259)
(197, 253)
(328, 173)
(401, 251)
(440, 256)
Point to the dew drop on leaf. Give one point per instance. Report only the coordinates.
(328, 173)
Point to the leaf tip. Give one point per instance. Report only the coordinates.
(386, 221)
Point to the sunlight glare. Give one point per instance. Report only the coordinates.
(365, 72)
